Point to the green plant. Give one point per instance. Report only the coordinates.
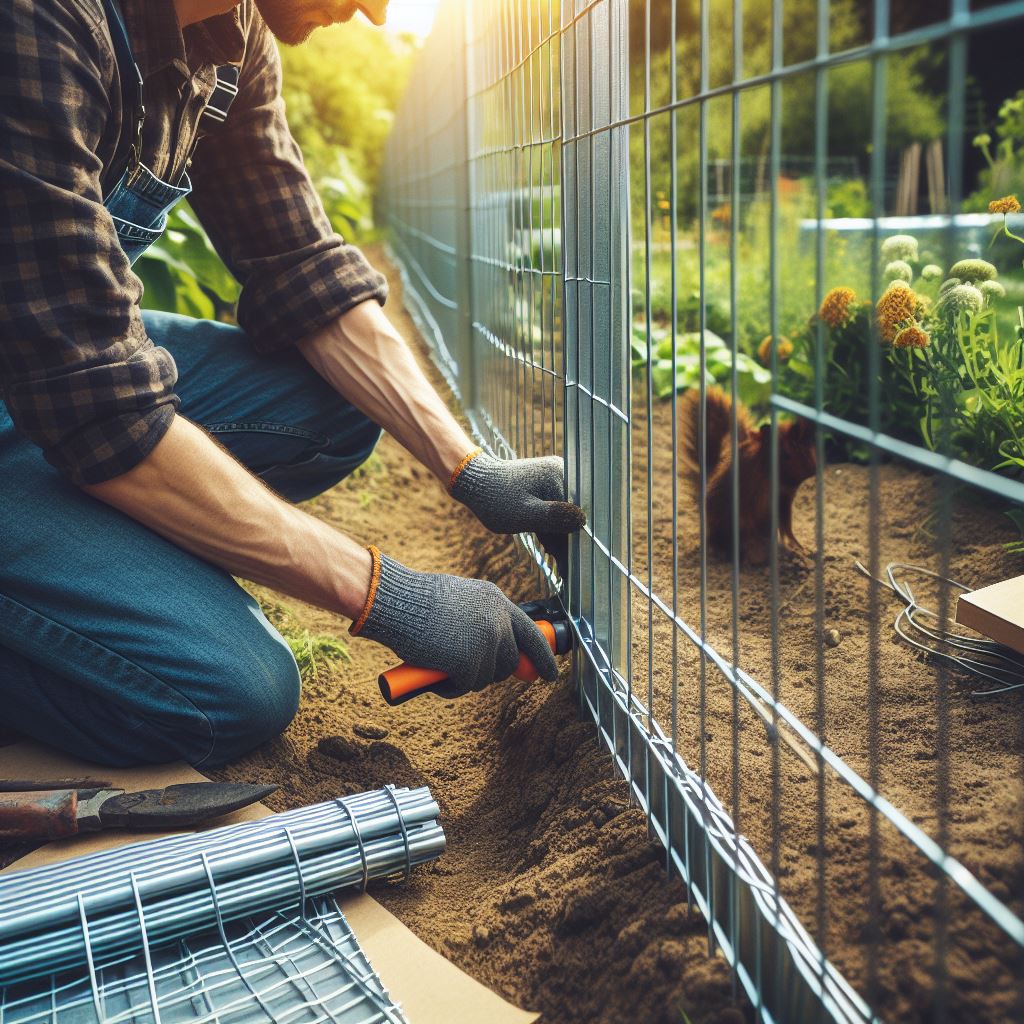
(969, 388)
(341, 88)
(347, 198)
(962, 384)
(843, 329)
(848, 198)
(1004, 157)
(753, 381)
(311, 650)
(182, 272)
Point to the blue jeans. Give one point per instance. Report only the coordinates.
(116, 645)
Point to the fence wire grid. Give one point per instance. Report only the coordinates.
(603, 208)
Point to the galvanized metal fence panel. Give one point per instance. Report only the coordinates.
(573, 187)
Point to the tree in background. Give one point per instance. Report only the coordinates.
(341, 88)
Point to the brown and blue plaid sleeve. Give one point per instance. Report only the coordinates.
(256, 201)
(78, 373)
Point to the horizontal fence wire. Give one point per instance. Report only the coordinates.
(613, 217)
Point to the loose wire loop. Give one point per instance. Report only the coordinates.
(340, 801)
(390, 790)
(1000, 665)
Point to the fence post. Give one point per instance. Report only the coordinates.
(463, 211)
(596, 320)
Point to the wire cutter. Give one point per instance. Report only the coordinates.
(403, 682)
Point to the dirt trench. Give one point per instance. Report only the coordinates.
(552, 892)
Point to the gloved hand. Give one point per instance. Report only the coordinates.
(517, 495)
(466, 628)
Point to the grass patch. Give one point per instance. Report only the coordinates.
(311, 651)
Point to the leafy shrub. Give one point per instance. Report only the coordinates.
(182, 272)
(848, 198)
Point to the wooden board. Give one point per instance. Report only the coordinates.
(996, 611)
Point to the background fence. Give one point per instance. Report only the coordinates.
(601, 206)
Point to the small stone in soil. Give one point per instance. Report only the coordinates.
(340, 748)
(369, 732)
(833, 637)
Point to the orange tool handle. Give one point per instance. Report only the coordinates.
(404, 679)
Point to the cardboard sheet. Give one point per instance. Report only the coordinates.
(996, 611)
(429, 988)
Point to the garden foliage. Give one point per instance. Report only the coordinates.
(950, 376)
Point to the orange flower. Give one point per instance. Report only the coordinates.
(912, 336)
(1008, 204)
(837, 307)
(783, 350)
(896, 308)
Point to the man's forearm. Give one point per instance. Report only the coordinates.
(191, 491)
(365, 359)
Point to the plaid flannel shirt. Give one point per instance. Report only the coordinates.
(78, 373)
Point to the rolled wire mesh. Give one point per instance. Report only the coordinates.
(139, 919)
(628, 167)
(295, 965)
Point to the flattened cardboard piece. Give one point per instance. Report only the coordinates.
(429, 988)
(996, 611)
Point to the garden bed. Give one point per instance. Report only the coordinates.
(984, 737)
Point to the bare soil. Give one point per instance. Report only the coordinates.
(919, 734)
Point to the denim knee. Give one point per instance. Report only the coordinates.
(258, 694)
(353, 442)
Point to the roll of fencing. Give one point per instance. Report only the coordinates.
(86, 911)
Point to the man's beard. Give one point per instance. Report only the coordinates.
(288, 20)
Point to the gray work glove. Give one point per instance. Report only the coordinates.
(517, 495)
(466, 628)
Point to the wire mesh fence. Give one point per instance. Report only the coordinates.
(736, 262)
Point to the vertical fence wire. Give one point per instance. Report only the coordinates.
(592, 202)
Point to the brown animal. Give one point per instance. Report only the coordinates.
(797, 462)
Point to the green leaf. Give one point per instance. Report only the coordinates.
(1016, 516)
(158, 285)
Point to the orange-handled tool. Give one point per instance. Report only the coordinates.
(403, 682)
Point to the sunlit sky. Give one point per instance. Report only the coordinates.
(414, 16)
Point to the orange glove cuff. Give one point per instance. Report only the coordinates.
(371, 594)
(461, 466)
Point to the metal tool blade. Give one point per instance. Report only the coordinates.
(180, 805)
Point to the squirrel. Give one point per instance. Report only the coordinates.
(797, 462)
